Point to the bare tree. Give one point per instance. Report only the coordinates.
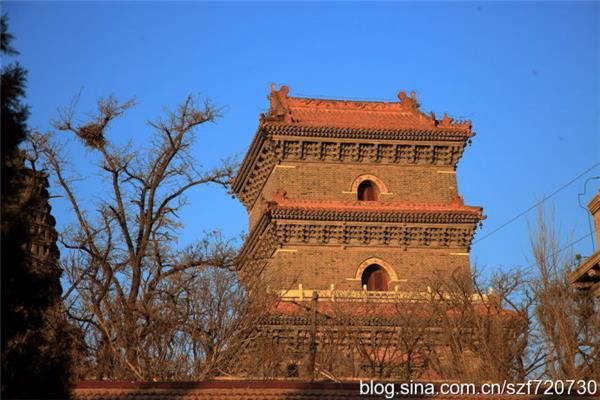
(149, 309)
(568, 320)
(481, 336)
(388, 339)
(454, 331)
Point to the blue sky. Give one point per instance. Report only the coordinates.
(526, 74)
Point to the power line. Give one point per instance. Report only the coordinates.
(513, 219)
(565, 248)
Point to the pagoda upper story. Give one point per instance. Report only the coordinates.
(348, 132)
(374, 179)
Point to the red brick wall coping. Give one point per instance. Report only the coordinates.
(252, 390)
(220, 384)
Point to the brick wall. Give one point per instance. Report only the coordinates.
(317, 267)
(333, 181)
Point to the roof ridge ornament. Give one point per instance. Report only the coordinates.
(446, 120)
(280, 108)
(409, 103)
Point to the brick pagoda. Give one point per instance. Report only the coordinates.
(354, 215)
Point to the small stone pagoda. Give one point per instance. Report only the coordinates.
(354, 197)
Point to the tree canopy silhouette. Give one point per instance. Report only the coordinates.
(36, 345)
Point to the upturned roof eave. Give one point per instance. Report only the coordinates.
(252, 238)
(581, 271)
(246, 167)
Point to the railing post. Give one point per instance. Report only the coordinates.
(332, 288)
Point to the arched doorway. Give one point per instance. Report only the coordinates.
(375, 278)
(368, 191)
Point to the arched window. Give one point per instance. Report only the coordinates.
(375, 278)
(368, 191)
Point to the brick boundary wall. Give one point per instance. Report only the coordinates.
(253, 390)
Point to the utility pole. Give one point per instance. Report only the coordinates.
(313, 336)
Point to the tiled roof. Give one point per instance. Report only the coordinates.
(594, 205)
(456, 206)
(402, 115)
(587, 275)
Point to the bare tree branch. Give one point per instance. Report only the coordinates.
(149, 308)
